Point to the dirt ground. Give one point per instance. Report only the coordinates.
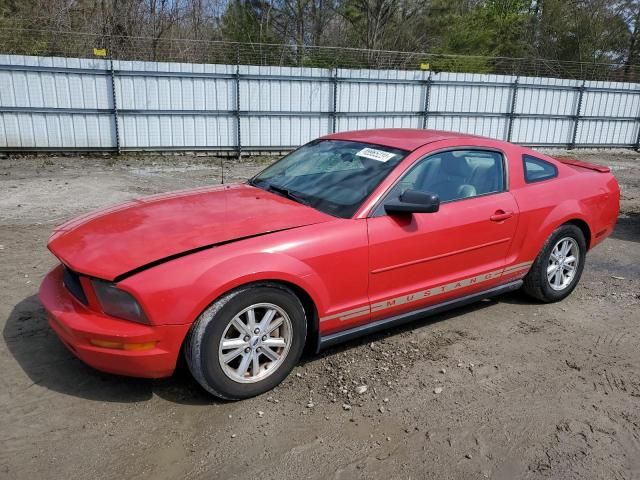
(528, 390)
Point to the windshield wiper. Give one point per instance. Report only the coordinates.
(287, 193)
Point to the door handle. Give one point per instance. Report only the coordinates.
(500, 216)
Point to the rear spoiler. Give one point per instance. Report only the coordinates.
(578, 163)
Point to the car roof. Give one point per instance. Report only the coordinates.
(403, 138)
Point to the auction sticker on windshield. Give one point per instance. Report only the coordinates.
(373, 154)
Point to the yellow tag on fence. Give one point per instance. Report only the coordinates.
(100, 52)
(424, 66)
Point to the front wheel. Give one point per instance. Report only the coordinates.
(247, 342)
(558, 267)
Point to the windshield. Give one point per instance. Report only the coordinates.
(333, 176)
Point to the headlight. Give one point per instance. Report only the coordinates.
(118, 303)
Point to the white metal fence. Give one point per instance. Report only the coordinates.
(52, 104)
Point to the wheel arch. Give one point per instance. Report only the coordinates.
(306, 299)
(310, 312)
(584, 227)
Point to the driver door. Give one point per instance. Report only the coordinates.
(425, 258)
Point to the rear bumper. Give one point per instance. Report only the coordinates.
(75, 325)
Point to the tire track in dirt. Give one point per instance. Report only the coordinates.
(613, 340)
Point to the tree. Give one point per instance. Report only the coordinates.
(629, 11)
(590, 31)
(492, 28)
(370, 20)
(249, 21)
(580, 30)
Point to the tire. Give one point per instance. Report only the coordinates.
(238, 379)
(538, 284)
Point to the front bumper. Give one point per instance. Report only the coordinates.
(76, 325)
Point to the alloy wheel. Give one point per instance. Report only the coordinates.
(255, 343)
(563, 263)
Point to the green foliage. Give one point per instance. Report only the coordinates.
(457, 35)
(248, 21)
(588, 31)
(461, 64)
(493, 28)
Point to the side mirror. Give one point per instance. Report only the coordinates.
(413, 201)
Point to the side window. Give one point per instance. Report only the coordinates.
(536, 170)
(454, 175)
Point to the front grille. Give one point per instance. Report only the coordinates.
(71, 280)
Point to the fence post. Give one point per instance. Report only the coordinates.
(576, 117)
(334, 111)
(637, 144)
(237, 112)
(427, 100)
(114, 97)
(512, 109)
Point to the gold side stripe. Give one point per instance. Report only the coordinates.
(515, 270)
(347, 313)
(354, 315)
(519, 266)
(439, 290)
(431, 292)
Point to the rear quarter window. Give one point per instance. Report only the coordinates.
(536, 169)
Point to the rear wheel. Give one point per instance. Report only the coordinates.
(247, 342)
(558, 267)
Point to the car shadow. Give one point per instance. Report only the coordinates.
(49, 364)
(628, 228)
(511, 297)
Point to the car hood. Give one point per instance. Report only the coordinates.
(115, 241)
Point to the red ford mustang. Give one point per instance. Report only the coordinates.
(349, 234)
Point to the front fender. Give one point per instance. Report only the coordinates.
(177, 292)
(263, 266)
